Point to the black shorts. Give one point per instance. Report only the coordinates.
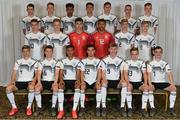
(136, 85)
(92, 86)
(161, 86)
(22, 85)
(113, 83)
(69, 84)
(47, 85)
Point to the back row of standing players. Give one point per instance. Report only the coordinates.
(100, 31)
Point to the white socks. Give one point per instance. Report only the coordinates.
(129, 99)
(30, 98)
(54, 99)
(144, 99)
(103, 96)
(76, 99)
(172, 99)
(10, 96)
(151, 99)
(61, 99)
(98, 98)
(82, 98)
(123, 96)
(38, 99)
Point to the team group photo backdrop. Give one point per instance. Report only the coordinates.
(12, 37)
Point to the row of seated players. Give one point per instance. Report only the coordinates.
(91, 73)
(90, 20)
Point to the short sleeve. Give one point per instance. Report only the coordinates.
(124, 66)
(16, 66)
(168, 69)
(40, 66)
(103, 66)
(149, 68)
(143, 67)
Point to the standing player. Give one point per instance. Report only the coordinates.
(58, 40)
(124, 39)
(47, 82)
(36, 40)
(102, 40)
(160, 77)
(26, 22)
(69, 79)
(136, 73)
(26, 68)
(90, 78)
(111, 20)
(79, 39)
(90, 20)
(112, 76)
(132, 23)
(68, 21)
(47, 22)
(145, 42)
(152, 20)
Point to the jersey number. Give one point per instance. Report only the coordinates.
(130, 73)
(87, 71)
(108, 71)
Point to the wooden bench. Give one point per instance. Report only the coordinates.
(92, 92)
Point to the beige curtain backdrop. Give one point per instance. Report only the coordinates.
(12, 38)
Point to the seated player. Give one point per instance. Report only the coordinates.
(111, 20)
(26, 21)
(89, 20)
(36, 40)
(137, 78)
(90, 78)
(58, 40)
(26, 69)
(160, 77)
(152, 20)
(145, 43)
(125, 40)
(47, 21)
(68, 21)
(69, 76)
(47, 81)
(112, 76)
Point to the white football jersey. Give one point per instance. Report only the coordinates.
(112, 67)
(68, 24)
(111, 22)
(158, 70)
(36, 41)
(90, 69)
(90, 24)
(69, 68)
(132, 24)
(135, 70)
(125, 41)
(144, 44)
(26, 69)
(48, 69)
(26, 23)
(58, 42)
(153, 23)
(47, 24)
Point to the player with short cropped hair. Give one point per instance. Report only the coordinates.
(47, 21)
(112, 76)
(26, 69)
(145, 42)
(79, 39)
(26, 21)
(46, 80)
(137, 79)
(152, 20)
(36, 40)
(125, 40)
(102, 39)
(58, 40)
(68, 21)
(89, 20)
(111, 20)
(132, 23)
(90, 78)
(69, 76)
(160, 77)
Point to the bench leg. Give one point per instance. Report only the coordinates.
(166, 102)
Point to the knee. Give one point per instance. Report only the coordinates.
(9, 88)
(55, 88)
(31, 87)
(38, 88)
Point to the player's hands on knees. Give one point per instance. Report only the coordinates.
(104, 83)
(61, 83)
(77, 84)
(98, 85)
(151, 87)
(83, 85)
(39, 84)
